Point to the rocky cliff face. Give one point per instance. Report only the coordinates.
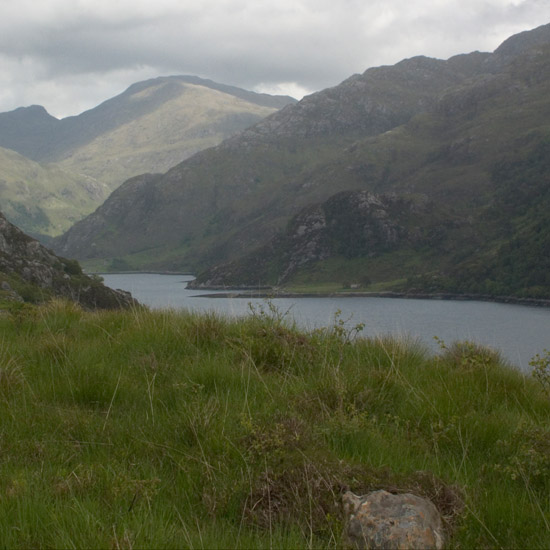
(31, 272)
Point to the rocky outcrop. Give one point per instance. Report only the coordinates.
(348, 224)
(381, 520)
(30, 271)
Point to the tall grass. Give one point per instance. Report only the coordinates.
(169, 429)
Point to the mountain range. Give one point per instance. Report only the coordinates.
(66, 168)
(442, 166)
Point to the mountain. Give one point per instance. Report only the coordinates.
(150, 127)
(216, 190)
(45, 199)
(28, 130)
(29, 272)
(34, 133)
(156, 124)
(425, 130)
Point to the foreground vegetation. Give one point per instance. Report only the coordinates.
(161, 429)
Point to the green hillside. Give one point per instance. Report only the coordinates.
(44, 199)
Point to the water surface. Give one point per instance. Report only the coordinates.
(519, 332)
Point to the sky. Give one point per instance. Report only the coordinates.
(70, 55)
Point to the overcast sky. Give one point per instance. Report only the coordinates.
(70, 55)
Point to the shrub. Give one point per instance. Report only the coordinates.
(541, 370)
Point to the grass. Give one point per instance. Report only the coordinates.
(169, 429)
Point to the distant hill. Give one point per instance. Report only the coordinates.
(28, 130)
(156, 124)
(34, 133)
(150, 127)
(423, 131)
(44, 199)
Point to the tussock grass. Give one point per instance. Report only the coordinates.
(170, 429)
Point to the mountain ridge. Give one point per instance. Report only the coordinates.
(102, 118)
(421, 127)
(347, 122)
(150, 127)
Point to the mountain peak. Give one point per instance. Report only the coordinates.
(32, 109)
(264, 100)
(524, 41)
(26, 129)
(31, 112)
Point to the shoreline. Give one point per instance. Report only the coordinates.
(182, 273)
(268, 292)
(249, 293)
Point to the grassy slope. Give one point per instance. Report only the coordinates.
(197, 119)
(163, 429)
(45, 198)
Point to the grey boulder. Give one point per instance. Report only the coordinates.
(381, 520)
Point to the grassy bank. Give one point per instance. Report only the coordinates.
(161, 429)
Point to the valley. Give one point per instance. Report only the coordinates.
(427, 139)
(170, 420)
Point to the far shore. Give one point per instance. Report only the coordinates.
(183, 273)
(269, 292)
(240, 293)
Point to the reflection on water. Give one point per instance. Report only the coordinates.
(519, 332)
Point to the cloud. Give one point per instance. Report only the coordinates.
(66, 53)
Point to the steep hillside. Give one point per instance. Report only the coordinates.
(429, 130)
(167, 120)
(150, 127)
(44, 199)
(481, 155)
(29, 272)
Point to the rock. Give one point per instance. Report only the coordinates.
(26, 260)
(349, 224)
(383, 520)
